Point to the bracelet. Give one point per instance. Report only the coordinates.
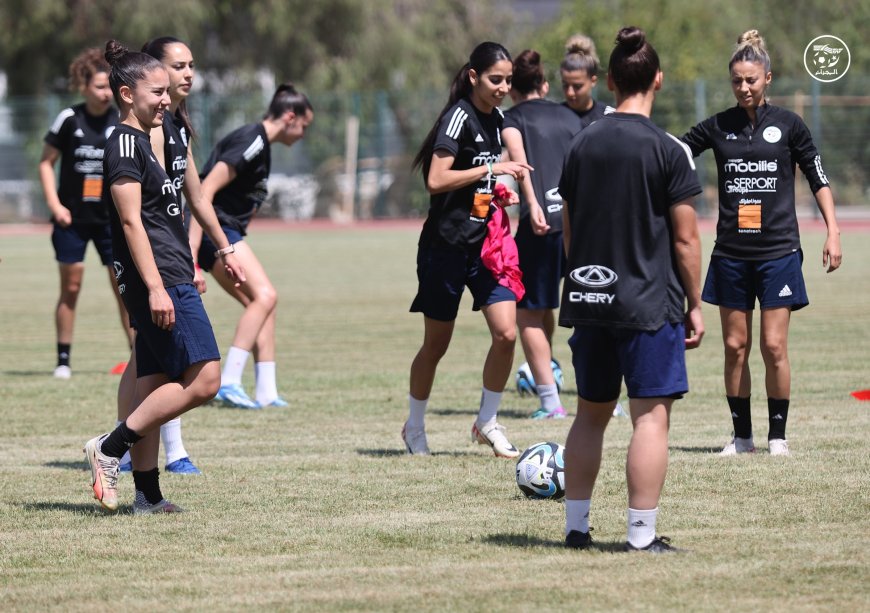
(489, 166)
(222, 252)
(197, 266)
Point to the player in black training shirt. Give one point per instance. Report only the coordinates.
(634, 258)
(758, 252)
(235, 180)
(79, 203)
(460, 162)
(579, 74)
(538, 131)
(171, 148)
(177, 359)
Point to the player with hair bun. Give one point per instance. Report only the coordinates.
(79, 202)
(539, 131)
(235, 180)
(461, 158)
(579, 73)
(177, 359)
(758, 253)
(626, 299)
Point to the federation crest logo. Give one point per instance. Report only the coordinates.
(827, 58)
(772, 134)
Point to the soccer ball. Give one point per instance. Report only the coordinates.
(541, 471)
(526, 381)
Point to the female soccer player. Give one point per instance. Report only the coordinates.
(79, 204)
(625, 177)
(539, 131)
(758, 252)
(177, 359)
(171, 148)
(579, 72)
(235, 179)
(460, 159)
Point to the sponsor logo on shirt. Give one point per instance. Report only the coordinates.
(119, 269)
(89, 160)
(554, 200)
(740, 165)
(594, 275)
(748, 185)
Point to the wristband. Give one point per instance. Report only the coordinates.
(197, 266)
(222, 252)
(489, 166)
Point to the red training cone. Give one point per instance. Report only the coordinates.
(861, 395)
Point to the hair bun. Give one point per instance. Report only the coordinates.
(630, 39)
(115, 51)
(580, 44)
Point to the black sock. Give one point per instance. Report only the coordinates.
(147, 483)
(63, 351)
(777, 415)
(741, 416)
(119, 441)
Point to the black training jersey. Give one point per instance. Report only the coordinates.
(756, 165)
(458, 218)
(80, 137)
(598, 110)
(128, 154)
(621, 177)
(247, 150)
(547, 129)
(175, 147)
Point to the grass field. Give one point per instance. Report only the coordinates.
(317, 507)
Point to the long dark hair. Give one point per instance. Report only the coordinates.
(481, 59)
(288, 98)
(633, 63)
(128, 67)
(156, 48)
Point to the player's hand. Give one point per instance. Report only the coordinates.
(538, 220)
(234, 269)
(63, 217)
(518, 170)
(832, 254)
(199, 279)
(162, 309)
(694, 328)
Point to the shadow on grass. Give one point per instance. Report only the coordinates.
(697, 449)
(68, 465)
(85, 508)
(47, 374)
(513, 414)
(526, 541)
(392, 453)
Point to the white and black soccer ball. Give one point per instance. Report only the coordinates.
(526, 381)
(541, 471)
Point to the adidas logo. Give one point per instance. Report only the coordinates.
(785, 292)
(638, 524)
(778, 416)
(730, 136)
(478, 139)
(78, 133)
(734, 415)
(171, 141)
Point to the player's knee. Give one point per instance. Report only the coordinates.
(505, 338)
(207, 382)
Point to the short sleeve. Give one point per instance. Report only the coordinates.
(60, 131)
(123, 158)
(242, 151)
(449, 130)
(682, 178)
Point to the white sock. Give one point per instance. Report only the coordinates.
(489, 402)
(416, 413)
(577, 515)
(234, 366)
(642, 527)
(125, 459)
(170, 434)
(549, 397)
(267, 388)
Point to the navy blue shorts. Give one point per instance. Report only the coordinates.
(542, 260)
(205, 258)
(735, 284)
(443, 275)
(171, 352)
(652, 363)
(70, 243)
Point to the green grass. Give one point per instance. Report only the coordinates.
(316, 507)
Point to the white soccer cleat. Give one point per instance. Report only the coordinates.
(778, 446)
(738, 445)
(62, 372)
(415, 440)
(492, 434)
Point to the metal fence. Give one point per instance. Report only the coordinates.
(354, 162)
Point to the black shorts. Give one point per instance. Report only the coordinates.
(205, 258)
(542, 260)
(70, 243)
(736, 284)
